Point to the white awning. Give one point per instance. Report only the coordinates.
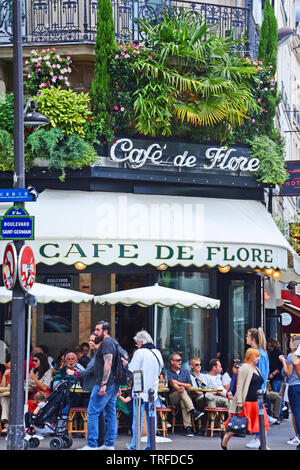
(106, 228)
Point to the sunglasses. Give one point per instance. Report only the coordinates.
(177, 360)
(198, 364)
(35, 360)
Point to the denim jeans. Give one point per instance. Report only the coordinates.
(294, 399)
(145, 407)
(97, 404)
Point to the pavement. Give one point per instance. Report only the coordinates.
(178, 443)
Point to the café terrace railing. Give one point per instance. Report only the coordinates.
(50, 22)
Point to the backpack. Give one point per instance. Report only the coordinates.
(121, 372)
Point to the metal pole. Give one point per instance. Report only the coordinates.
(27, 358)
(15, 436)
(138, 404)
(261, 418)
(152, 419)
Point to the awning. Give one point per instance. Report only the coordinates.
(106, 228)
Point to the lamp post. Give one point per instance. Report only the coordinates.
(15, 436)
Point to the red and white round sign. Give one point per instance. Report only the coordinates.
(26, 268)
(9, 266)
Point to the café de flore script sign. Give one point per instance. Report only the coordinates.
(136, 153)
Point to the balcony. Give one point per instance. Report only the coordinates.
(53, 22)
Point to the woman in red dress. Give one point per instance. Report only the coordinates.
(244, 402)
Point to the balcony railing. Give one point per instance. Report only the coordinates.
(47, 22)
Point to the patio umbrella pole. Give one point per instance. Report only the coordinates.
(155, 324)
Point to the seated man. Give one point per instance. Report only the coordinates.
(179, 382)
(213, 380)
(200, 399)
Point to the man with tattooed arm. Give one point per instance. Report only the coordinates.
(104, 393)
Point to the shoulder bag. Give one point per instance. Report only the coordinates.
(237, 424)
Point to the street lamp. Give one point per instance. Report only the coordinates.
(31, 117)
(15, 436)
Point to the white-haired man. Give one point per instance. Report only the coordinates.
(148, 359)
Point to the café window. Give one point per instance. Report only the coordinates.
(184, 330)
(58, 317)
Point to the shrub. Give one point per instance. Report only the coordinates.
(271, 156)
(65, 109)
(47, 69)
(61, 150)
(7, 113)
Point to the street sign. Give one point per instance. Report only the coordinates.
(9, 267)
(26, 268)
(17, 224)
(18, 195)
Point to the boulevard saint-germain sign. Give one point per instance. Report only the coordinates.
(136, 153)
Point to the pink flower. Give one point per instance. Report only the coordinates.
(259, 100)
(116, 56)
(266, 89)
(116, 108)
(38, 64)
(150, 57)
(253, 120)
(122, 108)
(126, 56)
(53, 66)
(264, 110)
(122, 53)
(68, 57)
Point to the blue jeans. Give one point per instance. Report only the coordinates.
(97, 404)
(294, 399)
(145, 407)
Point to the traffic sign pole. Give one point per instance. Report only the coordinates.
(15, 435)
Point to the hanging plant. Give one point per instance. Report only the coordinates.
(271, 156)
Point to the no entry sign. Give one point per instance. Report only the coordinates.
(9, 267)
(26, 268)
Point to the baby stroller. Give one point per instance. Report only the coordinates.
(51, 420)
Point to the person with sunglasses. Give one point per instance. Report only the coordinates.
(200, 399)
(40, 378)
(179, 382)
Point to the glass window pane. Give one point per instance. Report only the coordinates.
(184, 330)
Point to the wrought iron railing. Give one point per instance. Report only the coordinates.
(74, 21)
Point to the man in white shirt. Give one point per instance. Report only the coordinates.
(148, 359)
(213, 380)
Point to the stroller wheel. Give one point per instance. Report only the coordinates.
(33, 442)
(68, 441)
(56, 443)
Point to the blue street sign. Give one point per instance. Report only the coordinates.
(18, 195)
(17, 224)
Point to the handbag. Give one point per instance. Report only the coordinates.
(238, 424)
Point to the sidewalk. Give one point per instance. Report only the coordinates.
(276, 440)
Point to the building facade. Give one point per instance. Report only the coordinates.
(190, 217)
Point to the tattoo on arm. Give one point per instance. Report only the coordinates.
(106, 368)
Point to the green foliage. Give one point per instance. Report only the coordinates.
(271, 155)
(101, 90)
(47, 69)
(199, 76)
(61, 150)
(267, 47)
(65, 109)
(7, 152)
(263, 89)
(7, 113)
(152, 107)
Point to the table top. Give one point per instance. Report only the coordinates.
(7, 389)
(199, 389)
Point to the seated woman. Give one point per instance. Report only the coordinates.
(4, 396)
(40, 379)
